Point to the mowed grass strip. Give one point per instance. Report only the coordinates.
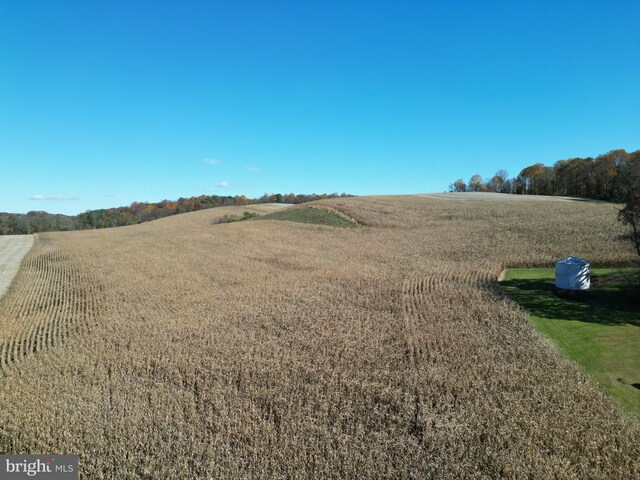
(600, 329)
(312, 215)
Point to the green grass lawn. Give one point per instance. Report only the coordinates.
(600, 329)
(309, 215)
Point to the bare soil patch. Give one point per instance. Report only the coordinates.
(13, 248)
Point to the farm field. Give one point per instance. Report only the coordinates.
(600, 329)
(188, 348)
(499, 197)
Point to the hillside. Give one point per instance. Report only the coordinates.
(186, 348)
(138, 212)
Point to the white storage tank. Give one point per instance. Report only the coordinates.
(572, 273)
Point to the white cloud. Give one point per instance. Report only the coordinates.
(211, 161)
(52, 197)
(222, 184)
(251, 169)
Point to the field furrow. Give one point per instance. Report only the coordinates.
(57, 297)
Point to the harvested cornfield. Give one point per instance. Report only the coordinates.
(184, 348)
(53, 299)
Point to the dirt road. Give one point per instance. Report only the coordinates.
(12, 249)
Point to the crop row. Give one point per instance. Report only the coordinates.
(57, 299)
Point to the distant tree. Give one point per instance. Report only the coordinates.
(605, 172)
(137, 212)
(458, 186)
(537, 179)
(500, 181)
(508, 186)
(502, 173)
(628, 177)
(476, 184)
(610, 176)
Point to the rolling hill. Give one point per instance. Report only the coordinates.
(189, 348)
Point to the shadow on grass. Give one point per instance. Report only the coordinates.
(613, 304)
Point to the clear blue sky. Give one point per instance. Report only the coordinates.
(107, 102)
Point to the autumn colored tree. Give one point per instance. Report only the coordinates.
(476, 184)
(458, 186)
(498, 181)
(610, 176)
(137, 212)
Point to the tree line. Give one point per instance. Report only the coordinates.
(612, 176)
(138, 212)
